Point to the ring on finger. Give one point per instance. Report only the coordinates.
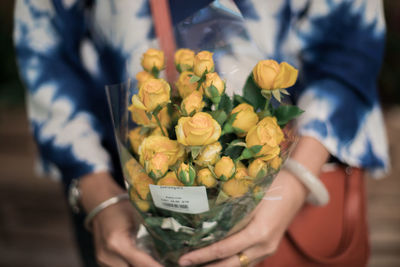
(243, 259)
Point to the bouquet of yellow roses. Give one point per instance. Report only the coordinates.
(196, 160)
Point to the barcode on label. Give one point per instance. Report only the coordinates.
(171, 205)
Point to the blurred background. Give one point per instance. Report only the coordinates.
(35, 229)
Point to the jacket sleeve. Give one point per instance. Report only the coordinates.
(47, 36)
(340, 58)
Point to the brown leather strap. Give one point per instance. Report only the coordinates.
(164, 31)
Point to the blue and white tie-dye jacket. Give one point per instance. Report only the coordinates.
(68, 50)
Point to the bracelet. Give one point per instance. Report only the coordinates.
(318, 195)
(102, 206)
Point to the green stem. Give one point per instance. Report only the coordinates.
(266, 107)
(159, 124)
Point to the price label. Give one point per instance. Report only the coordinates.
(183, 199)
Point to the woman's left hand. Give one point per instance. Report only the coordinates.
(261, 237)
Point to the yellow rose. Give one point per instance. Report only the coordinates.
(203, 62)
(268, 134)
(193, 102)
(143, 76)
(199, 130)
(270, 75)
(184, 59)
(241, 173)
(139, 117)
(135, 138)
(170, 179)
(235, 187)
(152, 93)
(185, 87)
(186, 174)
(209, 154)
(157, 166)
(160, 144)
(275, 163)
(138, 178)
(245, 119)
(225, 168)
(141, 183)
(142, 205)
(258, 168)
(153, 58)
(205, 177)
(213, 79)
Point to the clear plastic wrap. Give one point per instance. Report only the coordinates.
(197, 218)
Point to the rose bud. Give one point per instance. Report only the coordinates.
(209, 154)
(184, 59)
(142, 205)
(185, 87)
(157, 166)
(225, 168)
(193, 102)
(245, 119)
(213, 79)
(203, 63)
(258, 168)
(153, 58)
(268, 134)
(205, 177)
(186, 174)
(235, 187)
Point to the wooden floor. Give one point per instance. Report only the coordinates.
(35, 230)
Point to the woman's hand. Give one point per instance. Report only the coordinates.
(262, 235)
(113, 226)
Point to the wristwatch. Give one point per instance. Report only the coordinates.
(74, 196)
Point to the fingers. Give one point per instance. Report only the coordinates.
(220, 250)
(254, 255)
(121, 246)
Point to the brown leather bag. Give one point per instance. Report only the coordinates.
(333, 235)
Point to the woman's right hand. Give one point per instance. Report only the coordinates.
(113, 227)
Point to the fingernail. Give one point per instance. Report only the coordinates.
(185, 262)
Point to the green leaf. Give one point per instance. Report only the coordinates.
(286, 113)
(219, 115)
(277, 95)
(255, 149)
(249, 153)
(233, 151)
(264, 113)
(252, 94)
(194, 79)
(238, 130)
(213, 91)
(232, 118)
(226, 103)
(149, 116)
(155, 72)
(195, 151)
